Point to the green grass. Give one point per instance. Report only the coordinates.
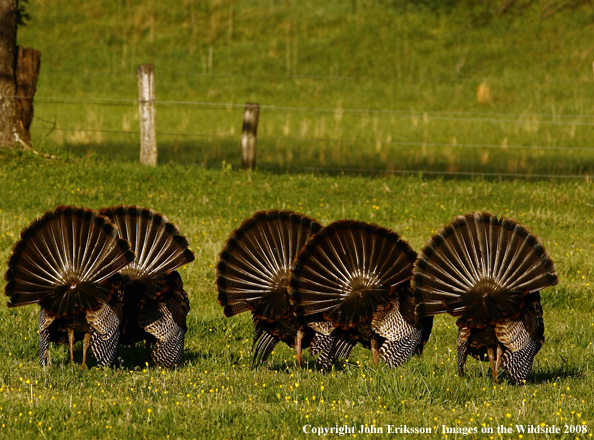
(215, 393)
(398, 67)
(398, 85)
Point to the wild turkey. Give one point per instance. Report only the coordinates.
(155, 303)
(351, 282)
(488, 273)
(252, 274)
(68, 262)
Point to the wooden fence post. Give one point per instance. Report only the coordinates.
(248, 135)
(146, 110)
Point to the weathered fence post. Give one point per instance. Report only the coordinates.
(248, 135)
(146, 110)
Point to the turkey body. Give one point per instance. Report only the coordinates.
(67, 262)
(155, 304)
(352, 284)
(252, 274)
(487, 272)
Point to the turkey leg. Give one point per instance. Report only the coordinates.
(71, 342)
(86, 343)
(374, 351)
(492, 362)
(298, 347)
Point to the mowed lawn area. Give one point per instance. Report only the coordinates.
(215, 393)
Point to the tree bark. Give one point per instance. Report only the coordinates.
(27, 72)
(8, 29)
(19, 69)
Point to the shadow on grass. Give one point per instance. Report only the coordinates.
(281, 157)
(550, 375)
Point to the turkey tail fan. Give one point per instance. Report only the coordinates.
(64, 261)
(252, 274)
(345, 272)
(481, 269)
(254, 266)
(159, 247)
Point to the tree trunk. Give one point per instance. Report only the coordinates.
(19, 69)
(27, 72)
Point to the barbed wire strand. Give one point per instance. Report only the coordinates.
(132, 73)
(438, 115)
(341, 141)
(371, 170)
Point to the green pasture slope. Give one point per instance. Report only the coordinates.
(413, 73)
(380, 85)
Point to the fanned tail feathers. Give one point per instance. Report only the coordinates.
(64, 261)
(158, 246)
(252, 273)
(254, 266)
(346, 271)
(481, 269)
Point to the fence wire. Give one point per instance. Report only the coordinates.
(328, 140)
(458, 116)
(312, 77)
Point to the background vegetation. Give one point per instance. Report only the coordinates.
(444, 87)
(421, 74)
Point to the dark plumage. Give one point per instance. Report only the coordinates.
(155, 305)
(351, 282)
(67, 261)
(252, 274)
(488, 273)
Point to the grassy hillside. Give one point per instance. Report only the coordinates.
(215, 393)
(361, 84)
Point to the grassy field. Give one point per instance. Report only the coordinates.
(364, 85)
(215, 393)
(379, 86)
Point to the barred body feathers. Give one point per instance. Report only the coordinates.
(252, 275)
(155, 304)
(354, 277)
(488, 273)
(68, 262)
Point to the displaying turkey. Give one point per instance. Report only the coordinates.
(68, 262)
(488, 273)
(155, 303)
(252, 274)
(351, 282)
